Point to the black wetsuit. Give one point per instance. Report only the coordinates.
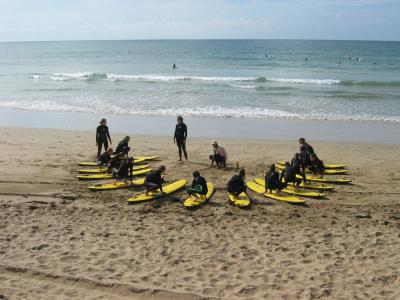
(114, 163)
(289, 174)
(125, 169)
(180, 136)
(102, 137)
(154, 179)
(299, 166)
(236, 185)
(317, 166)
(104, 159)
(201, 181)
(123, 147)
(273, 182)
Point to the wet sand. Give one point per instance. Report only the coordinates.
(60, 241)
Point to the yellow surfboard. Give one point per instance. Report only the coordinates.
(104, 170)
(292, 191)
(191, 202)
(109, 176)
(168, 189)
(329, 172)
(241, 201)
(117, 185)
(327, 166)
(94, 164)
(261, 190)
(326, 180)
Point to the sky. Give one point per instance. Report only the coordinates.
(48, 20)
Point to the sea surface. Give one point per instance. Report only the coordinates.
(284, 79)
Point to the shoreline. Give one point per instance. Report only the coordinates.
(206, 127)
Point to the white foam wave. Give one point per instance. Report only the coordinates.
(306, 81)
(206, 111)
(243, 86)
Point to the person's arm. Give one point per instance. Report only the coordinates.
(108, 135)
(185, 133)
(176, 127)
(97, 135)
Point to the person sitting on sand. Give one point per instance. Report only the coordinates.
(105, 158)
(317, 166)
(272, 181)
(125, 168)
(123, 146)
(220, 156)
(298, 163)
(199, 186)
(102, 136)
(236, 184)
(180, 136)
(289, 175)
(154, 180)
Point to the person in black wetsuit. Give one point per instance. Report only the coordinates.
(308, 148)
(199, 186)
(180, 136)
(299, 165)
(317, 166)
(236, 184)
(154, 180)
(289, 174)
(102, 136)
(273, 181)
(123, 146)
(114, 163)
(125, 169)
(105, 158)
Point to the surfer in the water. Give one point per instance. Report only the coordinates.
(174, 66)
(273, 181)
(220, 156)
(236, 184)
(123, 146)
(180, 136)
(102, 136)
(154, 180)
(199, 186)
(317, 166)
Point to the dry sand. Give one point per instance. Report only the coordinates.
(60, 241)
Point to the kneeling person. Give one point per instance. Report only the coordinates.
(154, 180)
(289, 174)
(236, 185)
(199, 186)
(125, 168)
(317, 166)
(273, 181)
(220, 156)
(104, 158)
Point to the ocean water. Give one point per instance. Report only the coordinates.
(307, 80)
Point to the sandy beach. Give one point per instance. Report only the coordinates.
(58, 240)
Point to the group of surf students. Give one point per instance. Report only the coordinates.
(120, 164)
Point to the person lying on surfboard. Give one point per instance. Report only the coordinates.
(236, 184)
(220, 156)
(299, 166)
(154, 180)
(273, 181)
(317, 166)
(289, 174)
(123, 146)
(125, 169)
(105, 158)
(199, 186)
(180, 136)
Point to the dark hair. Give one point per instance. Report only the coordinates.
(103, 120)
(242, 173)
(196, 174)
(313, 155)
(302, 140)
(272, 167)
(180, 118)
(287, 163)
(162, 167)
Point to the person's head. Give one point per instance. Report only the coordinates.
(287, 164)
(313, 156)
(302, 141)
(179, 119)
(296, 156)
(242, 173)
(127, 138)
(272, 167)
(103, 122)
(214, 144)
(196, 174)
(162, 168)
(110, 151)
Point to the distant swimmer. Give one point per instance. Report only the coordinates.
(306, 59)
(174, 67)
(266, 55)
(350, 58)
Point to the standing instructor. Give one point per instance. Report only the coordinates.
(180, 137)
